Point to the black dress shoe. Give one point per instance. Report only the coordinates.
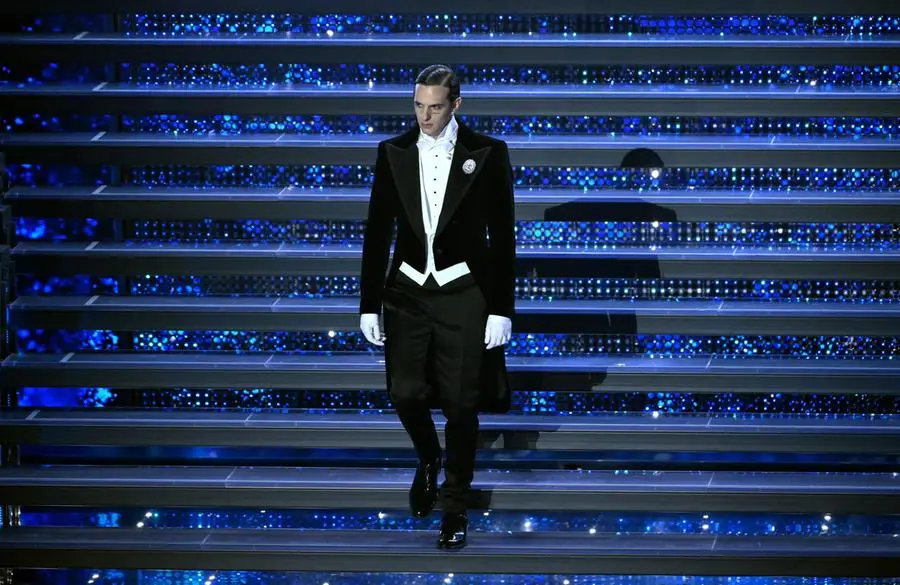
(453, 530)
(424, 491)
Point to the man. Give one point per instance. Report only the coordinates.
(448, 297)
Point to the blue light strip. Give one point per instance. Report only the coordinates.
(158, 577)
(745, 406)
(795, 291)
(168, 25)
(317, 176)
(581, 234)
(35, 74)
(233, 124)
(31, 285)
(521, 344)
(732, 524)
(30, 175)
(875, 75)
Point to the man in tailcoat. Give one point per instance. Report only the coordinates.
(447, 297)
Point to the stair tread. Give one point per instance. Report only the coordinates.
(374, 362)
(645, 422)
(414, 551)
(513, 544)
(399, 479)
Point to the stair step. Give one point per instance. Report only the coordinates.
(245, 259)
(125, 148)
(552, 204)
(353, 371)
(558, 100)
(414, 552)
(477, 49)
(635, 432)
(696, 317)
(386, 489)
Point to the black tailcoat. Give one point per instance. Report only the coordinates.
(476, 226)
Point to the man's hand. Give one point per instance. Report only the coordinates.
(368, 323)
(497, 331)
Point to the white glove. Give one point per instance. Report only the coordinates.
(368, 322)
(497, 331)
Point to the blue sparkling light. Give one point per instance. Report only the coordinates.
(854, 291)
(576, 234)
(181, 24)
(156, 577)
(536, 402)
(524, 344)
(30, 175)
(55, 123)
(62, 229)
(65, 397)
(587, 178)
(30, 74)
(730, 524)
(34, 285)
(61, 341)
(524, 402)
(716, 289)
(57, 23)
(267, 74)
(234, 124)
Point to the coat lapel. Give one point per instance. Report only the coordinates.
(459, 181)
(404, 162)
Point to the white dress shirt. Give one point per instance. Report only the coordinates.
(435, 157)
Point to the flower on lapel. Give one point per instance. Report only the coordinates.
(469, 167)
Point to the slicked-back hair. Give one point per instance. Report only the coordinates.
(440, 75)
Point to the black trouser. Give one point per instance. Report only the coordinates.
(435, 341)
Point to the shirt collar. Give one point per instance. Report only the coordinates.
(447, 138)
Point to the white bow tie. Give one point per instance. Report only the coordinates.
(444, 143)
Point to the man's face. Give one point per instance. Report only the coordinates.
(433, 109)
